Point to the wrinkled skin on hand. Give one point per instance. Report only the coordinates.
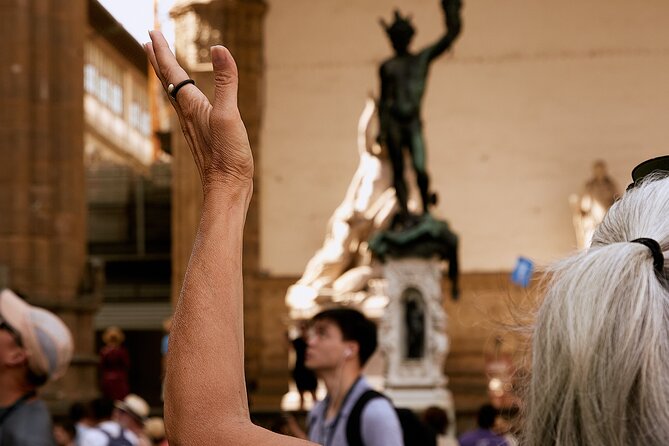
(214, 132)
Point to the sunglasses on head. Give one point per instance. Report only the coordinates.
(659, 165)
(12, 331)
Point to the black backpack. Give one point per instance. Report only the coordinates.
(414, 432)
(116, 441)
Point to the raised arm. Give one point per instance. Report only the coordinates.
(205, 395)
(453, 26)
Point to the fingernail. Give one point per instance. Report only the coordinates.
(215, 55)
(219, 56)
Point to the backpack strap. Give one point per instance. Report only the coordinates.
(110, 437)
(353, 432)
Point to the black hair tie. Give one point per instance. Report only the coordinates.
(656, 250)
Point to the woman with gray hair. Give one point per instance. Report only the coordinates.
(600, 348)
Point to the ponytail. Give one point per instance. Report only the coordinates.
(600, 347)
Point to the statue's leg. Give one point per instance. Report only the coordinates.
(417, 147)
(394, 143)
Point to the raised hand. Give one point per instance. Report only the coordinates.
(215, 133)
(205, 393)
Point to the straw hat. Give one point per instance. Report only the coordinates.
(155, 428)
(135, 406)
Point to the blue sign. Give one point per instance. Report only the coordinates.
(523, 272)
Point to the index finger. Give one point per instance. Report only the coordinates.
(166, 65)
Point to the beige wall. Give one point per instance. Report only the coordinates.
(532, 94)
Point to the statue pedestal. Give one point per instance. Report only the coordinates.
(412, 335)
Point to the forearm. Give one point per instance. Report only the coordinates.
(453, 26)
(452, 11)
(205, 386)
(205, 398)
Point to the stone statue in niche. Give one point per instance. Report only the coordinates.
(589, 208)
(403, 80)
(414, 318)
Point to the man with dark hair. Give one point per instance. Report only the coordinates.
(484, 436)
(340, 343)
(35, 347)
(81, 414)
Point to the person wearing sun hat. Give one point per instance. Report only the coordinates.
(120, 422)
(35, 347)
(155, 429)
(131, 413)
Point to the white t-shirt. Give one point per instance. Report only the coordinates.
(93, 436)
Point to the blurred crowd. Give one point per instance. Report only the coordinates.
(104, 422)
(36, 347)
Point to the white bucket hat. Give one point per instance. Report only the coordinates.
(44, 336)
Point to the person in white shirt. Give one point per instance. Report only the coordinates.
(106, 428)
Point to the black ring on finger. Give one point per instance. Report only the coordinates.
(174, 89)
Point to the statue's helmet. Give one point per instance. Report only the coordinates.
(400, 32)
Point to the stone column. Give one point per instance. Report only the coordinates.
(42, 202)
(237, 24)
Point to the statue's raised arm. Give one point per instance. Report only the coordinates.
(453, 26)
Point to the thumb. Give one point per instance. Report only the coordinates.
(225, 79)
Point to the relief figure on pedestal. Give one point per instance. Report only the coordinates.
(414, 318)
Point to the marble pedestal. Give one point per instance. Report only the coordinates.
(412, 335)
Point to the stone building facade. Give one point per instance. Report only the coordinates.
(128, 183)
(42, 195)
(80, 179)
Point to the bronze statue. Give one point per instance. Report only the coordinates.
(403, 79)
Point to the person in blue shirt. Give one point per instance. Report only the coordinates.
(484, 435)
